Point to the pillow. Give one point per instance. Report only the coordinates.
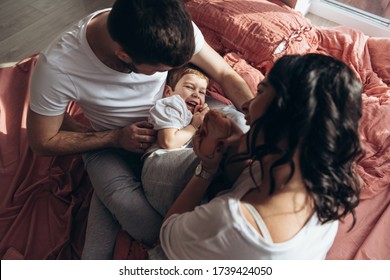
(261, 31)
(251, 75)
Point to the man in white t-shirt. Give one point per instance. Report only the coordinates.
(113, 64)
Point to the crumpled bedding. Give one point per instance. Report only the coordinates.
(44, 200)
(370, 58)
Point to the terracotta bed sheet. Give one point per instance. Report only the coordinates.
(43, 200)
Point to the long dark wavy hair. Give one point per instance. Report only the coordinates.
(316, 109)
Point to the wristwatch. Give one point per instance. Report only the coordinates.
(200, 172)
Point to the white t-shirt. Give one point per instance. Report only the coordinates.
(219, 230)
(69, 70)
(170, 112)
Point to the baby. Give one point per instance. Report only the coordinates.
(177, 117)
(180, 113)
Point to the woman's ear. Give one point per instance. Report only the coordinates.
(167, 91)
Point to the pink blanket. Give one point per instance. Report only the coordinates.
(44, 200)
(370, 58)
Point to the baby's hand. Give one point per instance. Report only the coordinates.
(201, 108)
(199, 114)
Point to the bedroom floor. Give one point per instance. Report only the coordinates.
(28, 26)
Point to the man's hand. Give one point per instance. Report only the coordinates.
(137, 137)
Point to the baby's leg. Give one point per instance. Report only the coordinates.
(165, 174)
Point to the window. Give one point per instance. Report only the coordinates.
(371, 17)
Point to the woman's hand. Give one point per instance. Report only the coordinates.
(235, 136)
(210, 162)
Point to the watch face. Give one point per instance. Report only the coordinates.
(198, 169)
(201, 173)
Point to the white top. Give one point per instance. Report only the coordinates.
(69, 70)
(259, 221)
(219, 230)
(170, 112)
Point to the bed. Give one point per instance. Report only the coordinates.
(44, 200)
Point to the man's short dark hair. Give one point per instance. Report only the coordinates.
(153, 31)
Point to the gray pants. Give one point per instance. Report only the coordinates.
(119, 201)
(163, 185)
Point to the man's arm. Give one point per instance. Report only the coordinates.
(233, 85)
(70, 124)
(46, 137)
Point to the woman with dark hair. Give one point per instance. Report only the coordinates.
(295, 171)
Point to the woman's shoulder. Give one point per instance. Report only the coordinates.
(218, 230)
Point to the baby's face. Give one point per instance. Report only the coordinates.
(192, 89)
